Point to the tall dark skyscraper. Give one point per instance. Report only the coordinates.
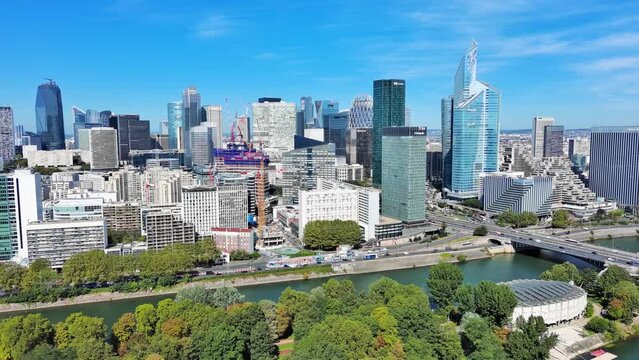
(553, 140)
(389, 109)
(191, 117)
(132, 134)
(49, 116)
(306, 107)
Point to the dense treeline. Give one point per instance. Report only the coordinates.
(509, 218)
(333, 321)
(329, 234)
(39, 283)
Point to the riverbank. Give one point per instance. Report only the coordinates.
(347, 268)
(599, 234)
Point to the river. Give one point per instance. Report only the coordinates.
(497, 269)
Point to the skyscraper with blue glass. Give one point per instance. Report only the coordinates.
(49, 116)
(174, 116)
(389, 110)
(470, 130)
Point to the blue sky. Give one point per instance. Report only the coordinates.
(575, 60)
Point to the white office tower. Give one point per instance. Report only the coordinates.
(333, 204)
(212, 117)
(21, 196)
(202, 144)
(102, 147)
(164, 186)
(57, 241)
(274, 124)
(209, 207)
(367, 203)
(538, 126)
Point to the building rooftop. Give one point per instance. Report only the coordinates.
(540, 292)
(615, 129)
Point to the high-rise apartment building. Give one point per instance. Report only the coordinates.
(208, 207)
(614, 164)
(302, 167)
(191, 117)
(274, 123)
(470, 130)
(361, 112)
(389, 109)
(20, 203)
(165, 229)
(212, 116)
(176, 124)
(102, 146)
(50, 116)
(7, 137)
(553, 140)
(133, 134)
(538, 125)
(122, 216)
(404, 173)
(359, 148)
(202, 144)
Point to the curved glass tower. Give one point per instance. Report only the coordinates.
(361, 115)
(174, 116)
(470, 130)
(49, 116)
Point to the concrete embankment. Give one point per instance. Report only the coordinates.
(603, 233)
(346, 268)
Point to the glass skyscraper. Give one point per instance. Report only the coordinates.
(306, 107)
(470, 130)
(323, 108)
(191, 117)
(389, 105)
(49, 116)
(404, 173)
(175, 118)
(553, 140)
(361, 115)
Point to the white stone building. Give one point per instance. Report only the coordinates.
(333, 204)
(274, 123)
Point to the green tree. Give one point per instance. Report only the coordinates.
(146, 318)
(124, 327)
(328, 234)
(610, 278)
(480, 231)
(418, 349)
(261, 346)
(294, 301)
(94, 349)
(220, 297)
(530, 340)
(347, 338)
(464, 298)
(443, 280)
(48, 352)
(269, 309)
(11, 275)
(473, 203)
(478, 339)
(560, 219)
(90, 266)
(39, 275)
(222, 342)
(495, 302)
(78, 327)
(565, 272)
(628, 293)
(20, 334)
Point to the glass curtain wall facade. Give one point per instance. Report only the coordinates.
(361, 114)
(389, 109)
(191, 117)
(174, 116)
(49, 116)
(553, 140)
(470, 130)
(323, 108)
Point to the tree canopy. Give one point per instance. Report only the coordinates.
(328, 234)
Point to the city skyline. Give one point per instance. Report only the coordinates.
(537, 53)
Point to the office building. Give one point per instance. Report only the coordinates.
(105, 117)
(102, 147)
(78, 209)
(349, 172)
(140, 158)
(176, 124)
(191, 117)
(359, 148)
(18, 132)
(302, 167)
(274, 123)
(50, 158)
(50, 116)
(470, 130)
(207, 207)
(122, 216)
(538, 125)
(212, 116)
(333, 204)
(361, 112)
(434, 161)
(324, 108)
(56, 241)
(335, 126)
(164, 229)
(229, 240)
(614, 164)
(553, 140)
(202, 144)
(404, 173)
(20, 203)
(367, 204)
(514, 192)
(84, 120)
(7, 137)
(308, 110)
(133, 134)
(389, 105)
(243, 126)
(249, 180)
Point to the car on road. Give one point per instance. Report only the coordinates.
(537, 240)
(561, 247)
(611, 259)
(594, 252)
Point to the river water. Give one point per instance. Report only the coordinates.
(497, 269)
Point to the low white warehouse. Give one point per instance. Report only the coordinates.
(555, 301)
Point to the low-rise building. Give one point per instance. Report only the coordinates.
(57, 241)
(136, 247)
(51, 158)
(77, 209)
(333, 204)
(352, 172)
(231, 239)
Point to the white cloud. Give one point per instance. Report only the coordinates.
(213, 26)
(611, 64)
